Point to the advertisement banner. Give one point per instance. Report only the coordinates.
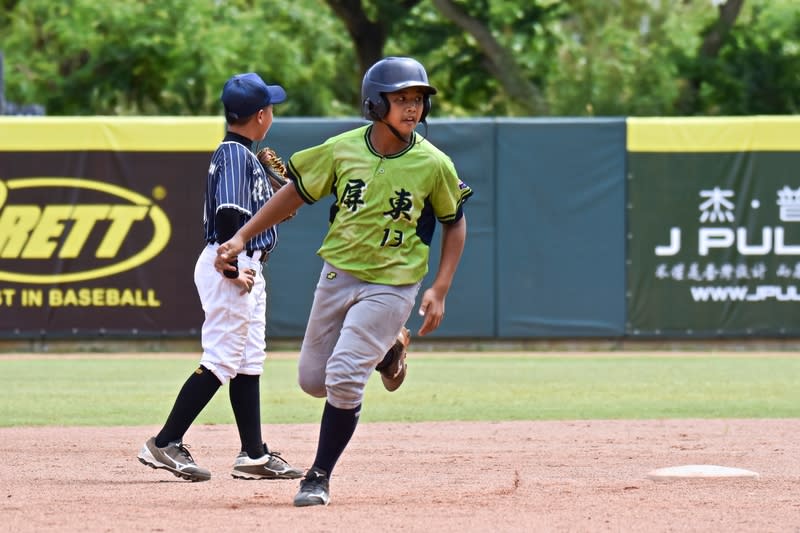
(714, 227)
(99, 225)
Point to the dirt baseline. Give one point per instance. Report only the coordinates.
(450, 476)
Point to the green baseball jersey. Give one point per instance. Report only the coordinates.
(385, 209)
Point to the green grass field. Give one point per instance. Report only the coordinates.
(116, 391)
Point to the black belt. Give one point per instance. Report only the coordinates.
(262, 259)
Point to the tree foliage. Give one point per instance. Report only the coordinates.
(487, 57)
(170, 56)
(758, 71)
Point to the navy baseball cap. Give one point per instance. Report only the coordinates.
(244, 94)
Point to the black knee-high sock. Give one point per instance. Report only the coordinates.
(192, 398)
(335, 431)
(246, 404)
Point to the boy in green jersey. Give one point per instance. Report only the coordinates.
(390, 186)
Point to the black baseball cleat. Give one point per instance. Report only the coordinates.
(314, 489)
(393, 367)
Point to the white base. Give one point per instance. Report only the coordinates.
(700, 472)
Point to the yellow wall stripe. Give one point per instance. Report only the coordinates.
(124, 134)
(202, 134)
(717, 134)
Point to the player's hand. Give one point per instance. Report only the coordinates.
(432, 309)
(228, 252)
(246, 280)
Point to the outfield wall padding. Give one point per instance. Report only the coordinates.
(578, 228)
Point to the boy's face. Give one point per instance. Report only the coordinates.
(405, 109)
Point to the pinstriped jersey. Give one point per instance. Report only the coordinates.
(237, 180)
(385, 208)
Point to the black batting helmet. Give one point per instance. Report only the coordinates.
(388, 75)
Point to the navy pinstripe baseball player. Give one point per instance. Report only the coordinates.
(233, 333)
(390, 186)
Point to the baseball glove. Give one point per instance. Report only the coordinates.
(275, 169)
(393, 367)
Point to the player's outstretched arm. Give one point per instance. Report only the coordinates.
(285, 202)
(432, 306)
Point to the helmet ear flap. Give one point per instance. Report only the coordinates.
(426, 107)
(375, 110)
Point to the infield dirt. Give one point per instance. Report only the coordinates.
(580, 476)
